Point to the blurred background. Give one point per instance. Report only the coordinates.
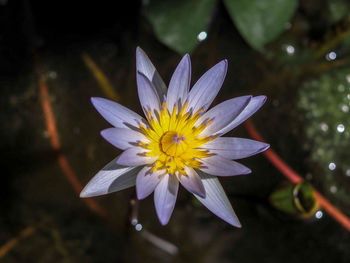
(55, 55)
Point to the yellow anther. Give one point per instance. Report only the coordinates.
(173, 138)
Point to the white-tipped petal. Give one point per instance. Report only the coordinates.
(254, 104)
(111, 178)
(146, 182)
(216, 200)
(134, 156)
(180, 83)
(207, 87)
(220, 166)
(235, 148)
(192, 182)
(148, 96)
(145, 66)
(223, 114)
(123, 138)
(165, 196)
(116, 114)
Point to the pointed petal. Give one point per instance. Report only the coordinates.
(223, 114)
(235, 148)
(147, 93)
(219, 166)
(253, 106)
(145, 66)
(146, 182)
(207, 87)
(116, 114)
(180, 83)
(192, 182)
(111, 178)
(123, 138)
(134, 157)
(165, 197)
(216, 200)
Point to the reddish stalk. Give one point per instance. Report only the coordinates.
(56, 145)
(294, 177)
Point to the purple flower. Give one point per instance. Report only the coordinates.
(178, 142)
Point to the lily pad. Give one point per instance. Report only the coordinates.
(261, 21)
(178, 23)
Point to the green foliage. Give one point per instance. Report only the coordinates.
(177, 23)
(284, 198)
(338, 9)
(325, 106)
(261, 21)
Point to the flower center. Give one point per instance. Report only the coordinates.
(175, 138)
(173, 144)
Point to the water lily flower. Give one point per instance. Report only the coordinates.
(178, 142)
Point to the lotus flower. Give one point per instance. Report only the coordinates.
(178, 142)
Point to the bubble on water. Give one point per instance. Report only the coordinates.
(332, 166)
(319, 214)
(340, 128)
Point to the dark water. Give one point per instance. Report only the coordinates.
(37, 196)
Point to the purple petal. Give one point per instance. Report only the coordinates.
(116, 114)
(146, 182)
(219, 166)
(134, 157)
(235, 148)
(111, 178)
(207, 87)
(165, 197)
(123, 138)
(223, 114)
(192, 182)
(147, 93)
(216, 200)
(145, 66)
(254, 105)
(180, 83)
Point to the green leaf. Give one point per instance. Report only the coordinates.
(260, 21)
(178, 23)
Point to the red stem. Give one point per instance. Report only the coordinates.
(55, 144)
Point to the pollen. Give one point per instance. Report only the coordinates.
(175, 138)
(173, 144)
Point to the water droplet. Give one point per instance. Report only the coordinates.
(341, 87)
(331, 56)
(138, 227)
(52, 74)
(202, 36)
(324, 127)
(332, 166)
(320, 151)
(319, 214)
(333, 189)
(348, 78)
(290, 49)
(345, 108)
(340, 128)
(347, 172)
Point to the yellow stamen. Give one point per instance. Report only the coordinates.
(174, 138)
